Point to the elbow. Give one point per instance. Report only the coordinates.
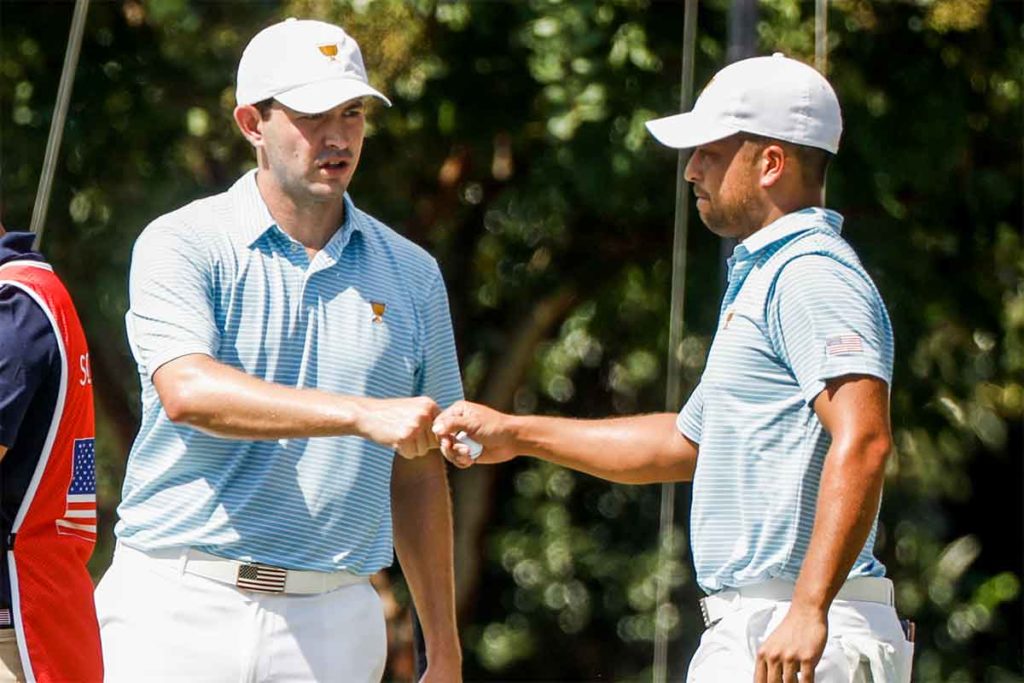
(176, 410)
(869, 452)
(879, 449)
(179, 405)
(663, 473)
(181, 398)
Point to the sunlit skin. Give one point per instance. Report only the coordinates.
(724, 178)
(305, 163)
(742, 185)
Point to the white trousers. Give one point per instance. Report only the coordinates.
(158, 623)
(865, 644)
(11, 670)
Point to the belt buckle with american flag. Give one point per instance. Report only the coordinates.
(261, 578)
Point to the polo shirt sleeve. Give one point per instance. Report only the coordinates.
(170, 312)
(825, 320)
(689, 421)
(439, 376)
(28, 353)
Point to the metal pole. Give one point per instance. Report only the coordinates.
(60, 111)
(742, 30)
(821, 47)
(674, 383)
(742, 41)
(821, 36)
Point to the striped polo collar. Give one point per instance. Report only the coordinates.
(255, 220)
(788, 226)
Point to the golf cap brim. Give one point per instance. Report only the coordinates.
(689, 130)
(315, 98)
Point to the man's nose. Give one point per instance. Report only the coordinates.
(690, 173)
(337, 134)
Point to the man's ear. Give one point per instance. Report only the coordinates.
(773, 163)
(250, 123)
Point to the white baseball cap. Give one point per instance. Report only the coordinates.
(309, 66)
(776, 97)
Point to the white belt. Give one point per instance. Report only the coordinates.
(860, 589)
(248, 576)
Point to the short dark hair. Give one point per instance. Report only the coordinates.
(814, 161)
(263, 107)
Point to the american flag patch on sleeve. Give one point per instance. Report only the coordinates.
(843, 344)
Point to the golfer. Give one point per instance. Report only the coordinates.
(288, 345)
(786, 436)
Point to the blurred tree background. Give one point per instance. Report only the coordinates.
(516, 153)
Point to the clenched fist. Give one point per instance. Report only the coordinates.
(401, 423)
(488, 427)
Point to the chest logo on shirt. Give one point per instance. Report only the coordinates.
(378, 308)
(728, 318)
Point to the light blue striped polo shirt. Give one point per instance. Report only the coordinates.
(218, 277)
(799, 310)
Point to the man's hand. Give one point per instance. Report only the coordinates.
(488, 427)
(795, 646)
(402, 423)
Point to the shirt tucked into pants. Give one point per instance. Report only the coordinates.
(159, 622)
(866, 642)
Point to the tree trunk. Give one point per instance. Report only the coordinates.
(473, 488)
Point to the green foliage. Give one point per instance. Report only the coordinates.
(516, 153)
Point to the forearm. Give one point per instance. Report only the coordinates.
(854, 409)
(848, 500)
(221, 400)
(631, 450)
(422, 522)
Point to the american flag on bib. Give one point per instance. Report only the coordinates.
(843, 344)
(80, 509)
(261, 577)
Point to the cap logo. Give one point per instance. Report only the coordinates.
(330, 50)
